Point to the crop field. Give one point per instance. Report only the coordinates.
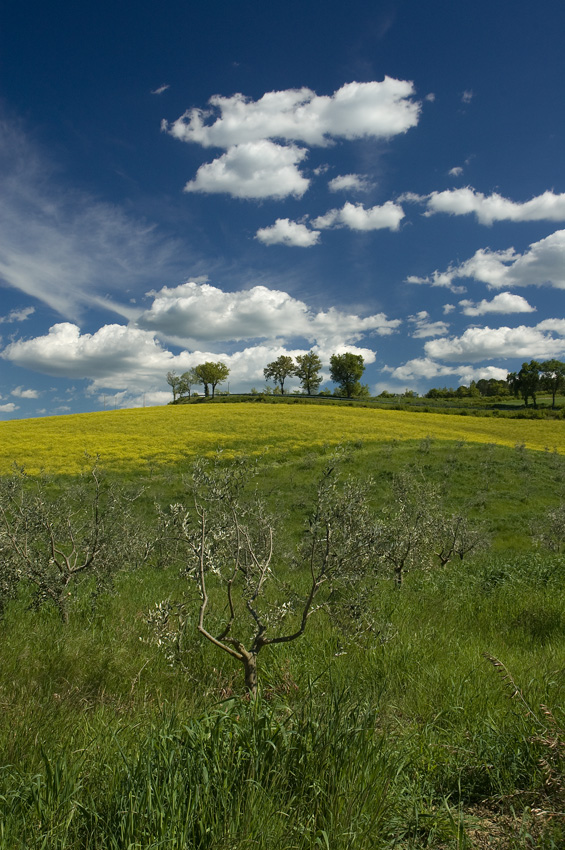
(421, 714)
(165, 435)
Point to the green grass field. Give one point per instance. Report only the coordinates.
(398, 735)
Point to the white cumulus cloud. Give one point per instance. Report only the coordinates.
(504, 302)
(286, 232)
(259, 169)
(357, 217)
(543, 264)
(132, 362)
(19, 392)
(424, 368)
(350, 183)
(356, 110)
(491, 208)
(424, 328)
(196, 314)
(111, 356)
(476, 344)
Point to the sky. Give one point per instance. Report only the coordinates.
(195, 181)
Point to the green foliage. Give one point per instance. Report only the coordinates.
(308, 368)
(346, 370)
(279, 370)
(211, 374)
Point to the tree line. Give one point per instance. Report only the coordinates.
(346, 371)
(534, 377)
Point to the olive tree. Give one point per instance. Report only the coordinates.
(53, 539)
(240, 572)
(405, 538)
(550, 529)
(416, 529)
(454, 535)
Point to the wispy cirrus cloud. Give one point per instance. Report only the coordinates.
(64, 247)
(17, 315)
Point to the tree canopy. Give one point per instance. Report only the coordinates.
(346, 369)
(279, 370)
(308, 370)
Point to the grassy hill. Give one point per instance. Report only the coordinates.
(168, 435)
(429, 715)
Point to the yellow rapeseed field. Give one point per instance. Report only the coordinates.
(163, 435)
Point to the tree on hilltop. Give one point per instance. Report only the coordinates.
(279, 370)
(210, 375)
(187, 380)
(346, 370)
(308, 371)
(174, 382)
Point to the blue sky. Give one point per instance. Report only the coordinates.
(189, 181)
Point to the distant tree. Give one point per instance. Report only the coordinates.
(455, 534)
(550, 529)
(553, 377)
(279, 370)
(406, 534)
(526, 382)
(492, 387)
(174, 382)
(346, 370)
(187, 381)
(210, 375)
(463, 392)
(308, 372)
